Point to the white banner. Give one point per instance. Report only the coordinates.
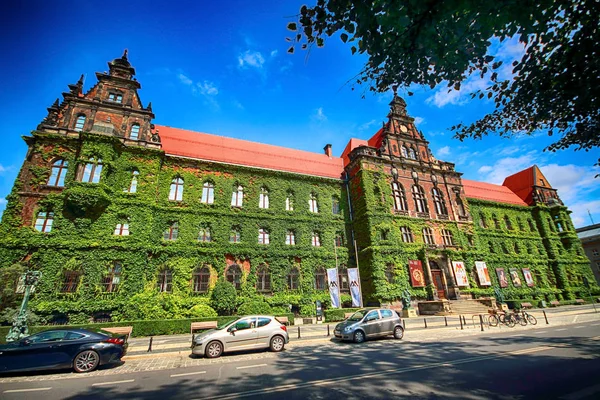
(482, 273)
(460, 273)
(354, 283)
(334, 287)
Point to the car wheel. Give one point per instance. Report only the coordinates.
(213, 350)
(359, 337)
(86, 361)
(398, 332)
(277, 344)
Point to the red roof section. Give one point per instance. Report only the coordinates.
(181, 142)
(522, 183)
(352, 144)
(491, 192)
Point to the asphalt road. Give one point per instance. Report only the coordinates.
(559, 362)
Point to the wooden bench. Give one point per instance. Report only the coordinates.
(283, 320)
(580, 301)
(348, 315)
(526, 305)
(196, 326)
(555, 303)
(120, 330)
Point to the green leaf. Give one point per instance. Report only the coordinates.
(344, 37)
(292, 26)
(291, 50)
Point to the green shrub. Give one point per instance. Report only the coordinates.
(224, 298)
(255, 306)
(202, 311)
(337, 314)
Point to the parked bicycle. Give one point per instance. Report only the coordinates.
(501, 317)
(529, 318)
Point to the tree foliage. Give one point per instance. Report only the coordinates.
(553, 87)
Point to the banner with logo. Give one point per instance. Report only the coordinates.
(334, 287)
(483, 273)
(354, 280)
(502, 277)
(528, 277)
(514, 276)
(417, 278)
(460, 273)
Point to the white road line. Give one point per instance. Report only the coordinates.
(113, 382)
(27, 390)
(188, 373)
(595, 324)
(562, 329)
(579, 327)
(542, 331)
(251, 366)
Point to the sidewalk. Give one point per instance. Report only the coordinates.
(425, 326)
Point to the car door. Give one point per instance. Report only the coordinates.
(387, 325)
(241, 335)
(264, 332)
(68, 347)
(39, 351)
(372, 323)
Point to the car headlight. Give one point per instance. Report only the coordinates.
(348, 329)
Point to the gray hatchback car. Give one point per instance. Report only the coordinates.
(245, 333)
(369, 323)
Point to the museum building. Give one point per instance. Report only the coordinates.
(109, 205)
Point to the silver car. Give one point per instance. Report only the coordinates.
(245, 333)
(369, 323)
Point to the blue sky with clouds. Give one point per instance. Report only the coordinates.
(222, 68)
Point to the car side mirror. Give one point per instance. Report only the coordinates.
(232, 330)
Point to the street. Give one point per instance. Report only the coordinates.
(545, 362)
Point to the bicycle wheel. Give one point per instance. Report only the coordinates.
(531, 319)
(493, 320)
(521, 319)
(510, 321)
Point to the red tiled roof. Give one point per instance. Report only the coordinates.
(352, 144)
(491, 192)
(181, 142)
(521, 184)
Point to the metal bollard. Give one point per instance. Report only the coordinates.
(464, 320)
(461, 322)
(298, 332)
(481, 322)
(328, 334)
(545, 317)
(150, 344)
(446, 321)
(425, 320)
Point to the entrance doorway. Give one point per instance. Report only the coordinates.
(438, 280)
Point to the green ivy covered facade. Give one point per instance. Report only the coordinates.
(124, 229)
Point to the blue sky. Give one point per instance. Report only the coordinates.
(222, 68)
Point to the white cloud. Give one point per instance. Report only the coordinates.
(505, 167)
(367, 125)
(274, 53)
(319, 115)
(207, 88)
(3, 202)
(445, 96)
(580, 214)
(4, 169)
(251, 58)
(185, 80)
(238, 105)
(419, 121)
(444, 151)
(484, 169)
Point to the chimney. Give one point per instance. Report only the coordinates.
(327, 149)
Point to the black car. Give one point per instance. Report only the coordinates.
(79, 349)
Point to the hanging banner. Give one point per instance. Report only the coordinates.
(514, 276)
(334, 287)
(502, 277)
(417, 278)
(528, 277)
(483, 273)
(354, 280)
(460, 273)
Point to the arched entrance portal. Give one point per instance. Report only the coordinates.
(437, 275)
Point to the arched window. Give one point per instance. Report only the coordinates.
(335, 205)
(263, 236)
(447, 237)
(234, 275)
(290, 238)
(201, 279)
(208, 193)
(508, 223)
(315, 239)
(419, 198)
(112, 279)
(389, 273)
(520, 224)
(171, 232)
(176, 191)
(407, 236)
(43, 222)
(80, 122)
(92, 171)
(263, 200)
(399, 196)
(343, 278)
(70, 281)
(134, 181)
(234, 235)
(517, 249)
(482, 222)
(204, 234)
(404, 151)
(122, 229)
(496, 222)
(59, 171)
(263, 282)
(412, 154)
(293, 279)
(312, 203)
(461, 207)
(289, 201)
(135, 132)
(439, 203)
(320, 279)
(165, 281)
(428, 236)
(237, 197)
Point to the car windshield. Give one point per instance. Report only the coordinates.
(223, 325)
(357, 316)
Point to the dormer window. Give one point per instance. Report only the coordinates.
(135, 132)
(117, 98)
(80, 122)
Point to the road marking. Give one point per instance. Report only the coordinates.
(542, 331)
(112, 383)
(579, 327)
(325, 382)
(251, 366)
(563, 329)
(583, 393)
(595, 324)
(27, 390)
(188, 373)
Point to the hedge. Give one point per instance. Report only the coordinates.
(140, 328)
(337, 314)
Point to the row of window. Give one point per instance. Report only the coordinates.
(507, 222)
(428, 237)
(420, 200)
(134, 130)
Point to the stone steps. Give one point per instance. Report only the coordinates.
(465, 307)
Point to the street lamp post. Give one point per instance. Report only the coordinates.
(19, 327)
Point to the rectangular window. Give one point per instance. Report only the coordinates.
(335, 206)
(208, 194)
(122, 230)
(447, 237)
(290, 238)
(43, 222)
(595, 252)
(263, 236)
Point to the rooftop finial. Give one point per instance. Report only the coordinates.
(124, 55)
(395, 89)
(80, 81)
